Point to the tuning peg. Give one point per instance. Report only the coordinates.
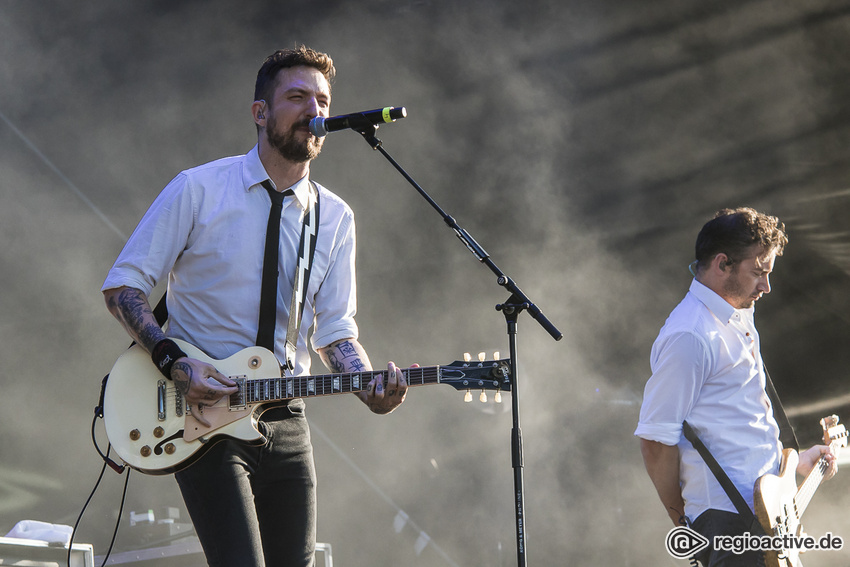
(467, 397)
(496, 355)
(467, 357)
(482, 357)
(482, 397)
(497, 397)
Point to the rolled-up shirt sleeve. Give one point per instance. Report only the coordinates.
(678, 373)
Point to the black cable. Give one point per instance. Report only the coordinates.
(118, 522)
(98, 413)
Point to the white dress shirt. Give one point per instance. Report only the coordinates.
(206, 233)
(707, 369)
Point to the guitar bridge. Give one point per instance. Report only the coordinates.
(237, 400)
(178, 403)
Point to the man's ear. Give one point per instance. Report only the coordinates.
(258, 109)
(721, 261)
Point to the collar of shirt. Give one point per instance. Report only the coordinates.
(721, 308)
(253, 174)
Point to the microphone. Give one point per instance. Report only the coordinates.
(322, 126)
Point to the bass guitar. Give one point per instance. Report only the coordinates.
(779, 503)
(150, 427)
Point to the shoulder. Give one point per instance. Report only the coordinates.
(215, 171)
(334, 211)
(332, 201)
(690, 316)
(214, 177)
(689, 327)
(215, 166)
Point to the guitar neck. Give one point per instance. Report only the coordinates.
(284, 388)
(810, 485)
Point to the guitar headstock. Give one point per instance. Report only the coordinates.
(834, 433)
(482, 375)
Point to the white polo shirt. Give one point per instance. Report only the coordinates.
(206, 233)
(707, 369)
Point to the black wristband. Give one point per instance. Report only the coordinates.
(165, 354)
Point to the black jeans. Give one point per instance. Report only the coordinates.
(256, 506)
(719, 522)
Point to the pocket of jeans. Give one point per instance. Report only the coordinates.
(296, 407)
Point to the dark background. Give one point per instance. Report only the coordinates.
(583, 144)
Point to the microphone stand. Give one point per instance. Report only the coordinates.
(516, 304)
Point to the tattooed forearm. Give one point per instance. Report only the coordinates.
(131, 308)
(333, 363)
(137, 314)
(346, 349)
(345, 356)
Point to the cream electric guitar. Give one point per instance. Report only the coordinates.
(779, 503)
(149, 426)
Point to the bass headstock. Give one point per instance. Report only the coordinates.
(834, 433)
(481, 376)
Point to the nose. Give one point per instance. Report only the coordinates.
(313, 107)
(764, 285)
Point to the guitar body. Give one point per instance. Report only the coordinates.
(775, 508)
(148, 424)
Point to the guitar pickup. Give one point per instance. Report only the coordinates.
(160, 400)
(237, 400)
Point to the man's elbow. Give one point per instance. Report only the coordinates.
(110, 297)
(653, 451)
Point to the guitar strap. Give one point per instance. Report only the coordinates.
(306, 252)
(160, 312)
(786, 431)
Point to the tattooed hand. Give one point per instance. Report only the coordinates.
(382, 394)
(384, 399)
(201, 385)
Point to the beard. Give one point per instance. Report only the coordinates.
(740, 297)
(288, 145)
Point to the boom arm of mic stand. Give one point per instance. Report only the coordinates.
(368, 131)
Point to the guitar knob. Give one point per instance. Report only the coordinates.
(158, 432)
(145, 451)
(170, 448)
(135, 435)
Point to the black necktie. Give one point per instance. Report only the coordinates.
(268, 292)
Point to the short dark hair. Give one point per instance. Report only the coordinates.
(735, 231)
(286, 58)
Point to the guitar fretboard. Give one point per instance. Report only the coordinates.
(283, 388)
(810, 485)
